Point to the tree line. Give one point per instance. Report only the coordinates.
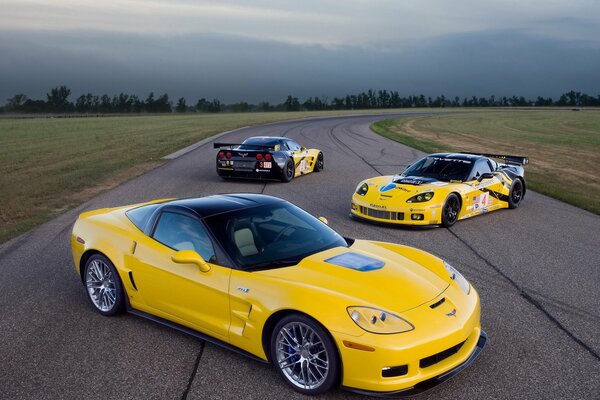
(57, 101)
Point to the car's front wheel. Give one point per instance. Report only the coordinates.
(103, 285)
(305, 355)
(450, 210)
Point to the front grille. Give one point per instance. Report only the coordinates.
(391, 215)
(442, 355)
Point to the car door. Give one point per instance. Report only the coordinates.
(485, 192)
(302, 160)
(182, 292)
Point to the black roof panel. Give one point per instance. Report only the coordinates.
(221, 203)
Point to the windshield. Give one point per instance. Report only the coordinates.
(255, 143)
(272, 236)
(440, 168)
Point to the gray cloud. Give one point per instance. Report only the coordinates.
(233, 68)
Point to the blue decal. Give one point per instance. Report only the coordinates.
(356, 261)
(387, 187)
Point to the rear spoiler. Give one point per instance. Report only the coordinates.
(520, 160)
(231, 145)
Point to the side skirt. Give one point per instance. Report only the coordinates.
(194, 333)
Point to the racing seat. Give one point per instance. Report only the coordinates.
(244, 240)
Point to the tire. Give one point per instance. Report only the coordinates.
(103, 285)
(516, 193)
(289, 169)
(450, 210)
(305, 355)
(320, 163)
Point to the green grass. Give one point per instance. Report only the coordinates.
(563, 146)
(48, 165)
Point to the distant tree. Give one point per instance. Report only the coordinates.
(181, 106)
(16, 102)
(264, 106)
(149, 103)
(58, 99)
(291, 104)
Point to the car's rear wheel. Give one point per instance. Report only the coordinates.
(305, 355)
(103, 285)
(515, 195)
(287, 174)
(450, 210)
(320, 163)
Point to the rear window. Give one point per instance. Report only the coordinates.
(140, 215)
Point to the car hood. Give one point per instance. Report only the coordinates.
(366, 274)
(399, 187)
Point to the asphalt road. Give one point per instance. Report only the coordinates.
(537, 269)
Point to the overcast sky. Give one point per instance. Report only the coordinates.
(264, 50)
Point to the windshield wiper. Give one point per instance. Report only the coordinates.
(272, 264)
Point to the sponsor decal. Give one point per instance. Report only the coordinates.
(387, 187)
(403, 188)
(377, 206)
(355, 261)
(243, 289)
(411, 181)
(452, 313)
(265, 164)
(417, 209)
(439, 183)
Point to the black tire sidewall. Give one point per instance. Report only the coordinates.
(317, 169)
(511, 204)
(332, 353)
(284, 176)
(445, 223)
(120, 301)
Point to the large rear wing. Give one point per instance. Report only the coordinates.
(519, 160)
(255, 146)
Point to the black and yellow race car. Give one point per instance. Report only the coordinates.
(440, 189)
(267, 157)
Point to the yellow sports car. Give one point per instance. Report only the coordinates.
(440, 189)
(259, 275)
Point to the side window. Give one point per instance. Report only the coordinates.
(181, 232)
(481, 167)
(293, 145)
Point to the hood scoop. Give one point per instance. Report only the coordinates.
(356, 261)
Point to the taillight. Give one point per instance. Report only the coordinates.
(221, 155)
(228, 155)
(259, 156)
(268, 157)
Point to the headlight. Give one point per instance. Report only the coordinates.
(362, 189)
(458, 278)
(421, 198)
(378, 321)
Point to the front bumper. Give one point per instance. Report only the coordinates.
(427, 384)
(412, 214)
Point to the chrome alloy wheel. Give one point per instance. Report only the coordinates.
(101, 285)
(302, 356)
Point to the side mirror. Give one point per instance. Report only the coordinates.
(486, 175)
(323, 220)
(191, 257)
(302, 149)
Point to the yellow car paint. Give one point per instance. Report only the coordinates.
(236, 307)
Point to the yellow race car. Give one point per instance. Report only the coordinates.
(440, 189)
(260, 276)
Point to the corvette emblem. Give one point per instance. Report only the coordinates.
(452, 313)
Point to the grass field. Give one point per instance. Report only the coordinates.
(48, 165)
(563, 146)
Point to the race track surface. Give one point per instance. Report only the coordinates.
(537, 270)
